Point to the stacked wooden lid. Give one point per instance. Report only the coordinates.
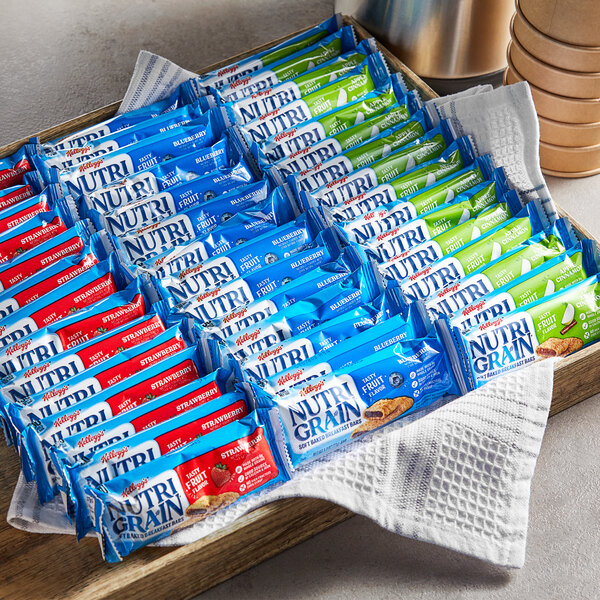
(556, 48)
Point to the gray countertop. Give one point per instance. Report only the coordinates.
(63, 58)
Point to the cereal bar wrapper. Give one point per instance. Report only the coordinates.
(19, 386)
(281, 352)
(390, 220)
(319, 152)
(111, 312)
(121, 457)
(308, 59)
(410, 140)
(152, 209)
(14, 167)
(335, 408)
(209, 168)
(160, 238)
(398, 325)
(25, 264)
(424, 200)
(575, 265)
(83, 137)
(183, 487)
(348, 273)
(267, 228)
(553, 326)
(17, 193)
(114, 166)
(430, 266)
(72, 157)
(158, 379)
(81, 386)
(237, 293)
(225, 75)
(258, 254)
(14, 215)
(367, 77)
(522, 259)
(305, 135)
(248, 108)
(401, 172)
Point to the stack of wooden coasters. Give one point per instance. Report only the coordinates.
(556, 48)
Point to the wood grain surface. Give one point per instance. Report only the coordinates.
(55, 567)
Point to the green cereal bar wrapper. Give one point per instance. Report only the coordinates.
(522, 259)
(307, 59)
(553, 326)
(407, 132)
(224, 75)
(310, 156)
(251, 107)
(575, 265)
(423, 200)
(370, 75)
(403, 177)
(396, 218)
(432, 276)
(335, 121)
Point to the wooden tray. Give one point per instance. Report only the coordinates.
(54, 567)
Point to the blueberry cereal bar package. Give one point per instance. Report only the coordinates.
(202, 295)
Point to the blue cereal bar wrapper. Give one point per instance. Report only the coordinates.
(184, 486)
(71, 157)
(151, 209)
(334, 408)
(159, 239)
(351, 276)
(209, 168)
(255, 254)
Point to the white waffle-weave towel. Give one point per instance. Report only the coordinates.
(459, 476)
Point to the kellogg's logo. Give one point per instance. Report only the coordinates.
(90, 439)
(242, 81)
(268, 353)
(57, 392)
(311, 388)
(92, 164)
(337, 182)
(135, 486)
(67, 419)
(473, 308)
(36, 369)
(247, 337)
(75, 151)
(114, 454)
(285, 134)
(485, 326)
(235, 315)
(449, 290)
(226, 70)
(290, 377)
(420, 273)
(211, 294)
(20, 347)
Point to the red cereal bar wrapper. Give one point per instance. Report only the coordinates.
(183, 487)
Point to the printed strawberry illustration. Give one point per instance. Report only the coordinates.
(120, 349)
(149, 396)
(19, 251)
(220, 474)
(73, 309)
(101, 329)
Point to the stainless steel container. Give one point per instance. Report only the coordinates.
(441, 39)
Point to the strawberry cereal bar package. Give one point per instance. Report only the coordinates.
(183, 487)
